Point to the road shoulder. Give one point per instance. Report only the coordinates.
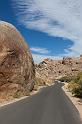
(7, 102)
(76, 101)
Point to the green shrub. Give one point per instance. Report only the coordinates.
(77, 92)
(76, 85)
(65, 79)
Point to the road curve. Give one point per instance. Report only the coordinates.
(49, 106)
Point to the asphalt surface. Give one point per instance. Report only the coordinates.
(49, 106)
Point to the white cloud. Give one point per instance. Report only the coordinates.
(61, 18)
(39, 58)
(40, 50)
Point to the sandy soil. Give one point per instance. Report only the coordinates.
(76, 101)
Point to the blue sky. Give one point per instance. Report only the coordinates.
(52, 29)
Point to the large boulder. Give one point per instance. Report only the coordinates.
(16, 63)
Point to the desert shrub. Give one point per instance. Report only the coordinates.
(75, 86)
(39, 81)
(17, 94)
(65, 79)
(49, 81)
(76, 79)
(20, 93)
(35, 87)
(72, 86)
(77, 92)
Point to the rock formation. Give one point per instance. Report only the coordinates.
(54, 69)
(16, 63)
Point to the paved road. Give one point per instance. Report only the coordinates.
(49, 106)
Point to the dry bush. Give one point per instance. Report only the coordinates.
(39, 82)
(75, 86)
(65, 79)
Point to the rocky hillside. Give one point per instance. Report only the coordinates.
(17, 70)
(54, 69)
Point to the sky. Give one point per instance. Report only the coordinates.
(52, 29)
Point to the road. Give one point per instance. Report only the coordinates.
(49, 106)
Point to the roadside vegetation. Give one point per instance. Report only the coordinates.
(18, 94)
(38, 82)
(74, 84)
(65, 79)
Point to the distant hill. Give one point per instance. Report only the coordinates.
(53, 69)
